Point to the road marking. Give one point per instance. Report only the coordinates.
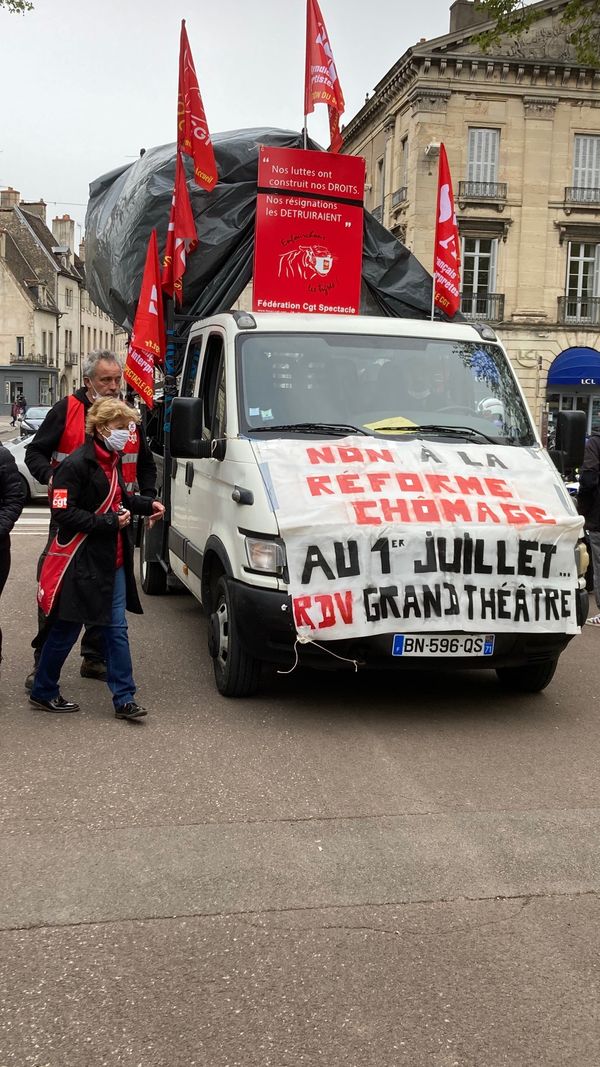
(31, 523)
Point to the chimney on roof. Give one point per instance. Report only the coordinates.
(64, 231)
(9, 197)
(35, 207)
(464, 14)
(82, 250)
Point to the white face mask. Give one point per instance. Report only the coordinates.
(116, 440)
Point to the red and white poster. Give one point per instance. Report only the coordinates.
(381, 540)
(309, 232)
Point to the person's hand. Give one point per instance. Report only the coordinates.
(124, 518)
(158, 511)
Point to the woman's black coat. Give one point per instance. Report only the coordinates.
(12, 493)
(87, 589)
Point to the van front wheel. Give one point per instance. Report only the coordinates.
(531, 678)
(236, 673)
(152, 575)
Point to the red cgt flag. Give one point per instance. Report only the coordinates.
(321, 83)
(147, 343)
(446, 255)
(193, 137)
(181, 235)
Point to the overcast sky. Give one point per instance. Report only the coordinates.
(84, 85)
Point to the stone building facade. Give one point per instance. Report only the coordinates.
(47, 322)
(521, 127)
(28, 330)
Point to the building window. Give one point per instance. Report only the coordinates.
(89, 340)
(81, 339)
(44, 343)
(69, 298)
(44, 392)
(583, 283)
(479, 255)
(378, 191)
(20, 346)
(51, 348)
(483, 155)
(94, 338)
(12, 390)
(586, 162)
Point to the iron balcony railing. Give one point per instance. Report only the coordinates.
(486, 307)
(582, 309)
(400, 196)
(32, 357)
(377, 212)
(71, 359)
(579, 194)
(482, 190)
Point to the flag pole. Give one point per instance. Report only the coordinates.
(433, 294)
(305, 132)
(170, 390)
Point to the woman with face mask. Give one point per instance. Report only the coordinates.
(87, 575)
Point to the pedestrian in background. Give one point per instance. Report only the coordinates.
(588, 502)
(87, 575)
(15, 411)
(12, 500)
(62, 431)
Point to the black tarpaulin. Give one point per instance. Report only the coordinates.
(127, 203)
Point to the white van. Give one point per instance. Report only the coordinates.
(365, 492)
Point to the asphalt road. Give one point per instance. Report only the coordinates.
(349, 871)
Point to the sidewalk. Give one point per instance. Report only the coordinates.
(6, 430)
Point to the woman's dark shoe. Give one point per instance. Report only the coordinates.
(58, 704)
(30, 680)
(130, 711)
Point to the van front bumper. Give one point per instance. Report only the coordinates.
(265, 627)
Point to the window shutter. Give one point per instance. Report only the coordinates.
(586, 162)
(483, 155)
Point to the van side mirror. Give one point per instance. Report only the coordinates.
(187, 442)
(571, 428)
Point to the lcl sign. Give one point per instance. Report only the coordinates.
(588, 381)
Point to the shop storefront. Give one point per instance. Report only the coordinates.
(37, 383)
(574, 385)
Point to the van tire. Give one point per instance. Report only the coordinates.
(25, 485)
(153, 577)
(531, 678)
(236, 673)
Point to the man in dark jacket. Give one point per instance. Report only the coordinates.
(62, 431)
(12, 500)
(588, 500)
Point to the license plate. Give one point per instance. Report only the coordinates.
(443, 645)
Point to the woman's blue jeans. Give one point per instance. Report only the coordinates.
(62, 637)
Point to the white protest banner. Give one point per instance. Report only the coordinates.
(387, 535)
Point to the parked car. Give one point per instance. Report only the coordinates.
(32, 420)
(35, 490)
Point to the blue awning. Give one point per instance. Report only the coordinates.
(576, 366)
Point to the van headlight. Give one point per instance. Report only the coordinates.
(265, 556)
(582, 558)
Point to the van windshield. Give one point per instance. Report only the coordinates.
(382, 386)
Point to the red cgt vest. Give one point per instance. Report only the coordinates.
(73, 436)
